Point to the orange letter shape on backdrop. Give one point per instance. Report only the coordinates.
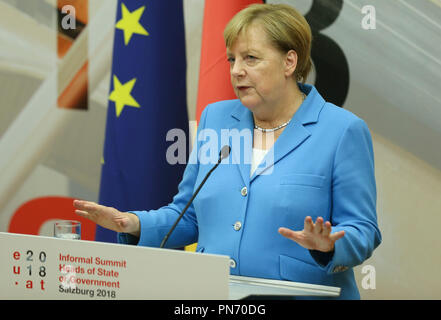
(30, 216)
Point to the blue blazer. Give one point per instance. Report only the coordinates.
(321, 165)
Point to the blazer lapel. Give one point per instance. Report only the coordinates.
(291, 138)
(242, 151)
(295, 133)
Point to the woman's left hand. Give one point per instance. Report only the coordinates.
(314, 236)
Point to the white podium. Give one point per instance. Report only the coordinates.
(37, 267)
(242, 287)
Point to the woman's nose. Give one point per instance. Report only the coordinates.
(237, 69)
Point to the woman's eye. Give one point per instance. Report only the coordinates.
(230, 60)
(251, 59)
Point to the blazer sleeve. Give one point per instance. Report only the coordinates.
(354, 198)
(155, 224)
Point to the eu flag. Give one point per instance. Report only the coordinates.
(147, 100)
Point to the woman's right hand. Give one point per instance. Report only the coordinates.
(108, 217)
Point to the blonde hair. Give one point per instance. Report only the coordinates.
(286, 28)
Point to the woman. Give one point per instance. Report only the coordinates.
(316, 164)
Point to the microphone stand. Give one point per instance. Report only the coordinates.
(225, 151)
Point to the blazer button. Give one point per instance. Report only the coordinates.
(237, 226)
(244, 191)
(232, 263)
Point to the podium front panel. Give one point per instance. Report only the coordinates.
(37, 267)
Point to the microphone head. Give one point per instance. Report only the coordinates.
(225, 152)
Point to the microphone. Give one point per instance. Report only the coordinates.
(225, 151)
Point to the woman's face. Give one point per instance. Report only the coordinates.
(258, 70)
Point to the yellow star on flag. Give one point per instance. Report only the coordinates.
(121, 95)
(129, 23)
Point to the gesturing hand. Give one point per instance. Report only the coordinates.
(314, 236)
(108, 217)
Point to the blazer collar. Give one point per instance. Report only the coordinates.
(310, 109)
(307, 113)
(291, 138)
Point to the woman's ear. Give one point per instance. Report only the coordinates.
(290, 63)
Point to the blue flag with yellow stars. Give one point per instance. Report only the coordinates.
(147, 101)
